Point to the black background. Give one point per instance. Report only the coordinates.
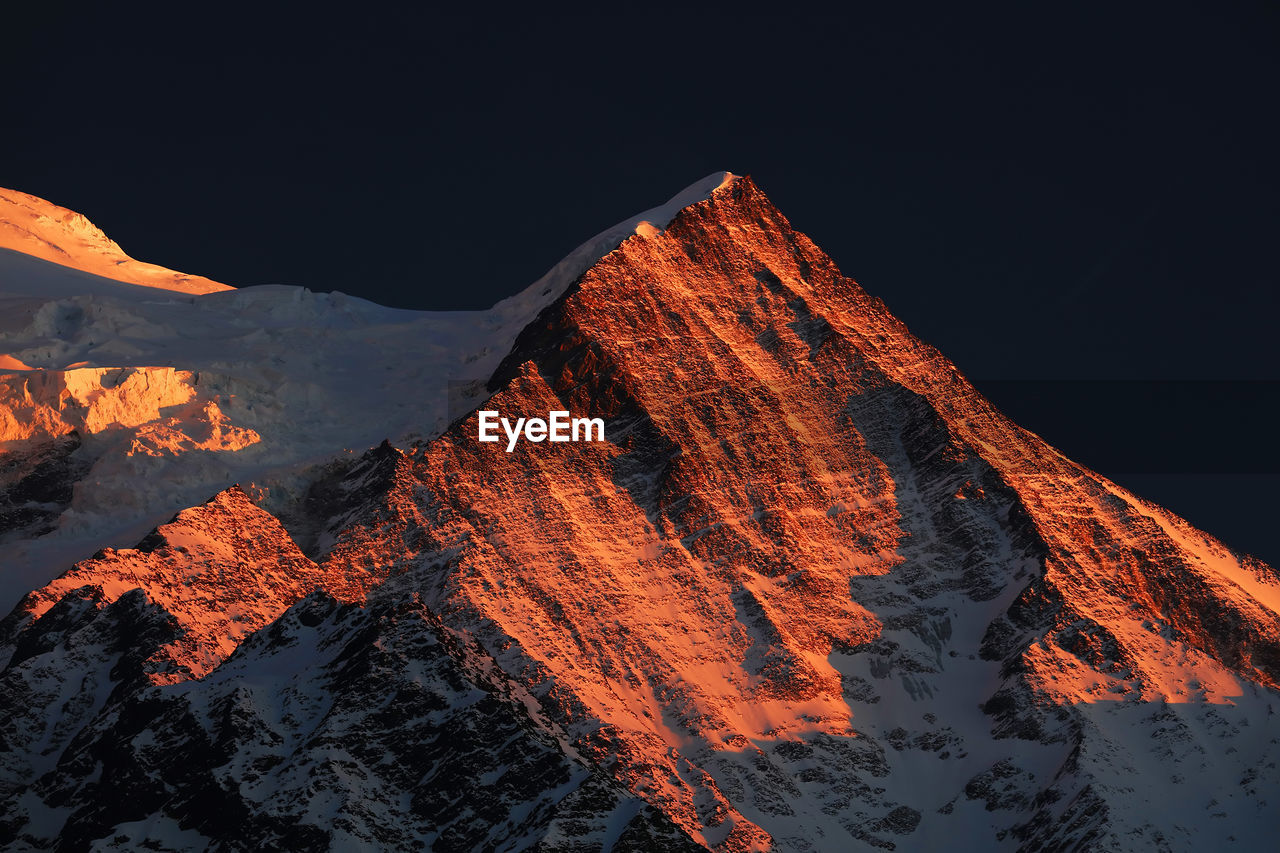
(1045, 194)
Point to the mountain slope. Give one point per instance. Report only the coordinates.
(337, 726)
(812, 592)
(176, 396)
(778, 439)
(44, 230)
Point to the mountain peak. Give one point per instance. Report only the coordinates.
(697, 191)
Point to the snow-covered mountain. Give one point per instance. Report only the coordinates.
(812, 593)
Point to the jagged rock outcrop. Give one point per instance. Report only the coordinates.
(336, 726)
(220, 570)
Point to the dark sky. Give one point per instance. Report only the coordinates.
(1085, 194)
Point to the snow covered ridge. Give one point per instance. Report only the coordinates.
(42, 229)
(179, 387)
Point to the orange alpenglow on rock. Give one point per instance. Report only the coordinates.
(36, 227)
(808, 591)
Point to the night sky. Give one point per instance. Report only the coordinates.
(1077, 206)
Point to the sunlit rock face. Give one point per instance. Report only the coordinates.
(810, 593)
(806, 533)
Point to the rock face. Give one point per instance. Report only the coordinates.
(338, 726)
(812, 592)
(37, 484)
